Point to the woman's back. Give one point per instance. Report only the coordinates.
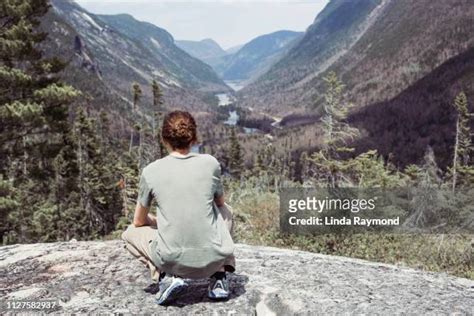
(191, 231)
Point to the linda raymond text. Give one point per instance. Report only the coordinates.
(343, 221)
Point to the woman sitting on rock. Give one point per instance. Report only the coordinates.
(189, 237)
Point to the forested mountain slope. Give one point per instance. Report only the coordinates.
(206, 50)
(423, 115)
(187, 70)
(258, 55)
(408, 41)
(121, 50)
(333, 32)
(84, 72)
(394, 44)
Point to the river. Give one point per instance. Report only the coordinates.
(224, 99)
(227, 99)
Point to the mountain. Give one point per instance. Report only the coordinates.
(161, 44)
(85, 72)
(422, 116)
(243, 62)
(407, 42)
(402, 64)
(206, 50)
(333, 32)
(123, 50)
(377, 47)
(255, 57)
(234, 49)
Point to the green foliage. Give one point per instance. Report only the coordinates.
(159, 149)
(33, 120)
(256, 219)
(368, 170)
(235, 155)
(463, 128)
(8, 203)
(336, 131)
(462, 169)
(97, 178)
(330, 167)
(137, 94)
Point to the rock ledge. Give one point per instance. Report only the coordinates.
(102, 277)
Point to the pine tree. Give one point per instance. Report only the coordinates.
(258, 165)
(97, 179)
(368, 170)
(8, 204)
(461, 169)
(427, 196)
(33, 111)
(336, 131)
(304, 166)
(235, 155)
(137, 93)
(159, 148)
(336, 134)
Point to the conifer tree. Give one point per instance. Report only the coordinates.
(137, 93)
(368, 170)
(8, 204)
(258, 165)
(235, 155)
(427, 197)
(304, 166)
(461, 169)
(336, 134)
(33, 110)
(159, 148)
(336, 130)
(97, 181)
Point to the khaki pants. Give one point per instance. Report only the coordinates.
(138, 239)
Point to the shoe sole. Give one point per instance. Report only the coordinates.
(212, 296)
(171, 294)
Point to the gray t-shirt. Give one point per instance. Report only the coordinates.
(193, 240)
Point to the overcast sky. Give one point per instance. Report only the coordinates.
(227, 22)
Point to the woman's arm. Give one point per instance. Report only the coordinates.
(142, 218)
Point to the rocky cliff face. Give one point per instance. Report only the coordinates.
(98, 277)
(122, 50)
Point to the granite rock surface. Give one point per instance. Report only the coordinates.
(102, 277)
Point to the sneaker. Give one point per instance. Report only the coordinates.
(152, 288)
(170, 288)
(218, 289)
(155, 286)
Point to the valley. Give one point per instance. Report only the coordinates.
(273, 86)
(371, 94)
